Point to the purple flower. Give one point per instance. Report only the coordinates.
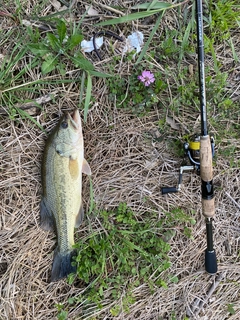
(146, 77)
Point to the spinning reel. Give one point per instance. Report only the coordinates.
(191, 155)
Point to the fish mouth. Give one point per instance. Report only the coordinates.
(74, 119)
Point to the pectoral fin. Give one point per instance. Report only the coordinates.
(46, 218)
(86, 168)
(79, 217)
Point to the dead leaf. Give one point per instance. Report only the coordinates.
(190, 70)
(56, 4)
(172, 123)
(91, 11)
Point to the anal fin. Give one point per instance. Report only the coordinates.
(79, 217)
(47, 221)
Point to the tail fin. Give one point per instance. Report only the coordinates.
(62, 264)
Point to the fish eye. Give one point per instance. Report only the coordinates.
(64, 124)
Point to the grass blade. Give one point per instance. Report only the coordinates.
(185, 40)
(235, 57)
(88, 96)
(24, 114)
(150, 37)
(82, 88)
(155, 4)
(100, 74)
(161, 6)
(130, 17)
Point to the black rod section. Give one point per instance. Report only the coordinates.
(209, 234)
(210, 254)
(201, 71)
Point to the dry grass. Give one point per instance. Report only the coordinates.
(129, 164)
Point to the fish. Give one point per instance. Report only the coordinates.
(61, 208)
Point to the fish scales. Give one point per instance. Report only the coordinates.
(65, 201)
(61, 205)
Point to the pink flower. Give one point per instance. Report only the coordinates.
(146, 77)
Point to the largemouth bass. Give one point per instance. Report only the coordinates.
(61, 205)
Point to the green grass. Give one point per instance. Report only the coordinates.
(223, 18)
(15, 85)
(127, 251)
(56, 52)
(131, 94)
(50, 54)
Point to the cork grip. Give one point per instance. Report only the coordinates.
(206, 158)
(208, 208)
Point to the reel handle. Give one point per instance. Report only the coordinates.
(166, 190)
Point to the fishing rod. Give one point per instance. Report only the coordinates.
(200, 151)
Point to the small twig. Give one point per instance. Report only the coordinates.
(36, 24)
(109, 8)
(7, 14)
(69, 4)
(198, 303)
(34, 103)
(233, 200)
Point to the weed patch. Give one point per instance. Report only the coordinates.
(127, 252)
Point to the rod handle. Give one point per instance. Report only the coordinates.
(210, 261)
(206, 170)
(166, 190)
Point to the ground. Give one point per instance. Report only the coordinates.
(133, 142)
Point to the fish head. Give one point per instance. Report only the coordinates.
(69, 136)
